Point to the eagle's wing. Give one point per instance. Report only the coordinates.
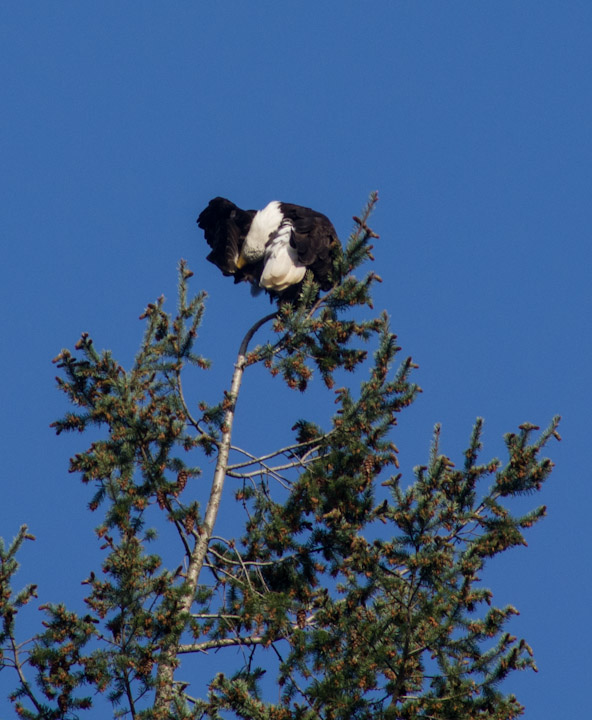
(225, 246)
(224, 226)
(314, 238)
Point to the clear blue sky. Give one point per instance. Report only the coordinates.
(472, 119)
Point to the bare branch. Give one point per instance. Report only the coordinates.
(18, 666)
(222, 642)
(165, 672)
(266, 469)
(190, 418)
(282, 451)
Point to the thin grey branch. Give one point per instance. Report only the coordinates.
(166, 666)
(222, 642)
(282, 451)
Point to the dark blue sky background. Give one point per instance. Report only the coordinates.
(472, 119)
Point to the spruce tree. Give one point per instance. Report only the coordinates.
(353, 591)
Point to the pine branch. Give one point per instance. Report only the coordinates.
(10, 653)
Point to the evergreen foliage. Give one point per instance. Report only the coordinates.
(359, 587)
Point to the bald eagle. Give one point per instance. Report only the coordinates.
(271, 248)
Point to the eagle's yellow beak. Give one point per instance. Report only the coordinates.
(240, 261)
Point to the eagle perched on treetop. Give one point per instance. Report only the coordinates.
(272, 248)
